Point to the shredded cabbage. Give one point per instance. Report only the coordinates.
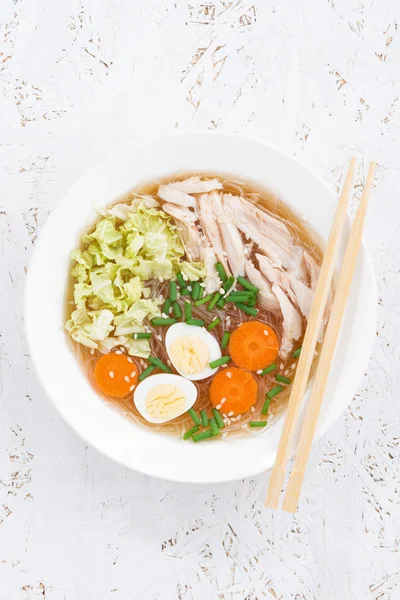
(130, 245)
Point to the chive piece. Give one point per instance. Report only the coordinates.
(177, 310)
(185, 292)
(244, 293)
(240, 297)
(247, 285)
(201, 292)
(221, 272)
(195, 417)
(214, 427)
(265, 408)
(204, 300)
(188, 434)
(146, 372)
(160, 365)
(257, 423)
(214, 301)
(204, 418)
(225, 340)
(276, 390)
(181, 281)
(188, 311)
(229, 283)
(296, 353)
(221, 303)
(172, 291)
(195, 290)
(196, 322)
(203, 435)
(141, 336)
(219, 420)
(214, 323)
(269, 369)
(250, 310)
(162, 321)
(167, 306)
(282, 379)
(220, 361)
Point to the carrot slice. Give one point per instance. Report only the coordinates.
(253, 346)
(115, 374)
(234, 391)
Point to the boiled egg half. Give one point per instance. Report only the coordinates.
(163, 397)
(191, 349)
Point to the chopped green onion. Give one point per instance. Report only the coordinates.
(167, 306)
(230, 282)
(162, 321)
(214, 427)
(203, 435)
(188, 311)
(225, 340)
(276, 390)
(240, 297)
(265, 408)
(219, 420)
(243, 293)
(214, 323)
(160, 365)
(282, 379)
(188, 434)
(296, 353)
(146, 372)
(196, 322)
(185, 292)
(220, 361)
(204, 300)
(221, 272)
(247, 285)
(195, 417)
(172, 291)
(250, 310)
(269, 369)
(204, 418)
(181, 281)
(214, 301)
(257, 423)
(195, 290)
(177, 310)
(201, 292)
(141, 336)
(221, 303)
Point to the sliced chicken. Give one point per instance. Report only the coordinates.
(170, 194)
(300, 295)
(313, 270)
(194, 185)
(292, 326)
(267, 299)
(211, 229)
(272, 273)
(212, 279)
(231, 238)
(185, 220)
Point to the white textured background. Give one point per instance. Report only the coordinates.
(80, 79)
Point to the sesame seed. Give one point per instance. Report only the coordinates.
(253, 409)
(287, 372)
(111, 374)
(118, 352)
(92, 352)
(225, 434)
(161, 297)
(169, 362)
(293, 366)
(189, 287)
(132, 388)
(259, 371)
(159, 337)
(238, 417)
(221, 291)
(223, 400)
(130, 360)
(135, 336)
(266, 332)
(281, 366)
(218, 407)
(126, 378)
(202, 285)
(123, 350)
(230, 414)
(133, 374)
(229, 375)
(164, 316)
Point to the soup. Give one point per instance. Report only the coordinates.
(189, 302)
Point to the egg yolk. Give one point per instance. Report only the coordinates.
(165, 402)
(189, 355)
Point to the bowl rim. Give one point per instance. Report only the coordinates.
(108, 160)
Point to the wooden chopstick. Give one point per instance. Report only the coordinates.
(309, 343)
(332, 332)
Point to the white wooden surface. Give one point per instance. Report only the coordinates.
(81, 78)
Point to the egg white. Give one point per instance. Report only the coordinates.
(187, 388)
(192, 331)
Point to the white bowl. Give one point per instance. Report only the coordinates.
(100, 424)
